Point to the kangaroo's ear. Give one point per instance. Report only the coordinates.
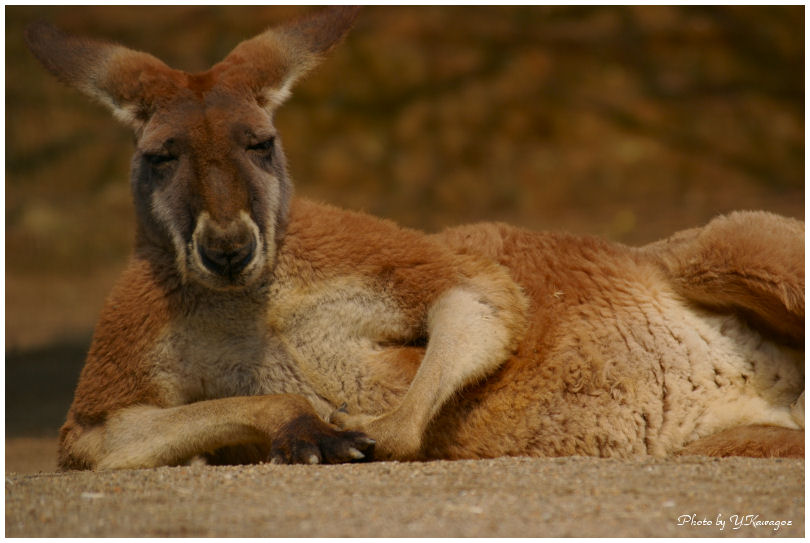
(273, 61)
(128, 82)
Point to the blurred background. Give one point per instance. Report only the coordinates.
(628, 123)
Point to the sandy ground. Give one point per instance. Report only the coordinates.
(513, 497)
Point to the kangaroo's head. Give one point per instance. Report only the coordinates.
(208, 176)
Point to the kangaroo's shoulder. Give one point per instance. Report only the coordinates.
(323, 234)
(323, 241)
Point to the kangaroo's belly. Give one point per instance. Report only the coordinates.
(625, 371)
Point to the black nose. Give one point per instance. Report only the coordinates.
(226, 259)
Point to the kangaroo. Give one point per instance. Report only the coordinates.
(252, 326)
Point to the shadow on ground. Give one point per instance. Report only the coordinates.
(39, 390)
(39, 386)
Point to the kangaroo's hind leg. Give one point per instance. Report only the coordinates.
(750, 263)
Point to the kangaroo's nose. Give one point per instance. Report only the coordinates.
(227, 262)
(226, 252)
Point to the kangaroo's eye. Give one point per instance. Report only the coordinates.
(263, 146)
(158, 159)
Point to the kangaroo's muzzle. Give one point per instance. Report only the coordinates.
(225, 255)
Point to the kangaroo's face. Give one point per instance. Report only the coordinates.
(208, 175)
(209, 184)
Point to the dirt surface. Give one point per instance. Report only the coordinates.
(511, 497)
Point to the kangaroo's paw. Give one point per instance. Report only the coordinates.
(396, 437)
(309, 440)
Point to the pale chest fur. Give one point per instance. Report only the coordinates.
(321, 340)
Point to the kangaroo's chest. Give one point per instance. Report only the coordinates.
(322, 341)
(199, 358)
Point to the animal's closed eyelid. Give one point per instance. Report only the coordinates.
(159, 158)
(263, 145)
